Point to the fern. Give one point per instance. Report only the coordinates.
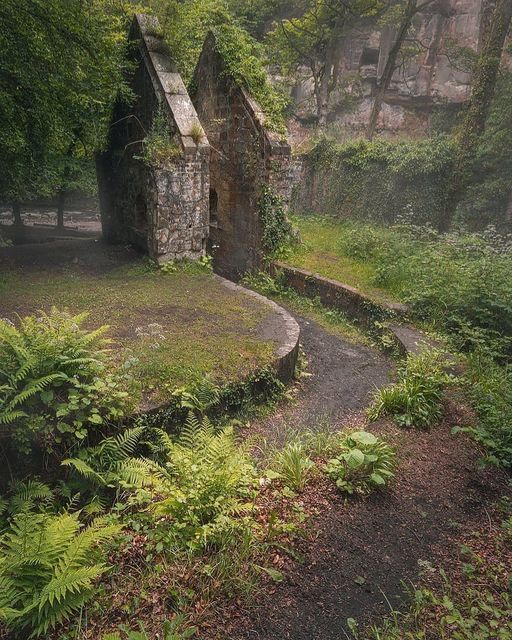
(49, 364)
(48, 566)
(112, 463)
(201, 491)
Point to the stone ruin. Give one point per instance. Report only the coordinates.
(180, 176)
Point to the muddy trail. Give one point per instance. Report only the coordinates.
(365, 550)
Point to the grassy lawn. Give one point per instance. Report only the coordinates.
(172, 328)
(321, 252)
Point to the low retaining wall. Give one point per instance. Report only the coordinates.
(289, 335)
(356, 306)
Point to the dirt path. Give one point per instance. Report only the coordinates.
(366, 549)
(343, 378)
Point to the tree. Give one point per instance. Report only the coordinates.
(403, 15)
(311, 40)
(483, 88)
(60, 68)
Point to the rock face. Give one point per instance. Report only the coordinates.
(154, 177)
(245, 155)
(435, 74)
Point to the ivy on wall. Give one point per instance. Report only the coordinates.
(380, 180)
(277, 229)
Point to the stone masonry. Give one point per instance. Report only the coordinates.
(165, 185)
(245, 155)
(154, 177)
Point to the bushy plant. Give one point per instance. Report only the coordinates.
(363, 464)
(489, 388)
(199, 491)
(416, 399)
(55, 381)
(48, 565)
(293, 465)
(112, 464)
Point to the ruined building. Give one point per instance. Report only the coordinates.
(178, 177)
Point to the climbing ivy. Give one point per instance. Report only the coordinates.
(186, 25)
(242, 56)
(277, 230)
(383, 180)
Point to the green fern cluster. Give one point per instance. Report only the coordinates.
(48, 565)
(54, 380)
(200, 491)
(113, 464)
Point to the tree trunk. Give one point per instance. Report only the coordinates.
(61, 201)
(483, 87)
(16, 213)
(389, 67)
(327, 81)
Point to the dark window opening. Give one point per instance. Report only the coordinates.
(369, 57)
(214, 206)
(141, 215)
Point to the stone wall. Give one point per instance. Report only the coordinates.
(245, 155)
(155, 196)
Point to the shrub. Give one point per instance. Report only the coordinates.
(199, 491)
(55, 382)
(489, 388)
(293, 465)
(364, 463)
(47, 569)
(415, 400)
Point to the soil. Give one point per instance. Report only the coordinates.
(365, 551)
(344, 376)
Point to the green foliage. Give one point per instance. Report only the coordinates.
(277, 230)
(112, 464)
(61, 68)
(382, 180)
(416, 399)
(364, 463)
(199, 492)
(489, 388)
(186, 25)
(458, 282)
(55, 382)
(293, 465)
(243, 58)
(160, 146)
(174, 629)
(48, 566)
(488, 194)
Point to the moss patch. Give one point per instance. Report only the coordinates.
(170, 329)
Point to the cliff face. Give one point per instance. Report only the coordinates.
(435, 70)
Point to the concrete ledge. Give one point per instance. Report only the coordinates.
(337, 295)
(287, 350)
(357, 306)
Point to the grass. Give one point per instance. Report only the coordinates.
(171, 328)
(320, 251)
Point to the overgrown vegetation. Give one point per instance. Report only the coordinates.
(56, 384)
(416, 399)
(363, 464)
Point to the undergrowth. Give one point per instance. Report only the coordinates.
(415, 400)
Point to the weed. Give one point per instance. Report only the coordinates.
(293, 465)
(415, 400)
(364, 463)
